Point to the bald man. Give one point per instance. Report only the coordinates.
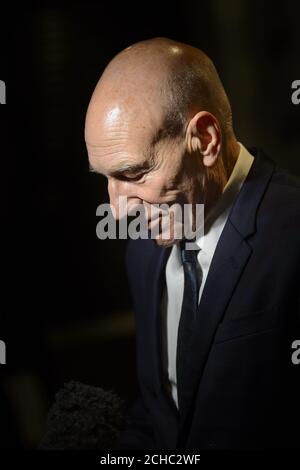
(159, 128)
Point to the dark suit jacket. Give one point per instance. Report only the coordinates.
(242, 389)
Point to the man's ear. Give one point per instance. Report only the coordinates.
(204, 135)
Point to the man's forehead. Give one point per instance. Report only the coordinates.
(120, 135)
(118, 125)
(100, 117)
(119, 161)
(113, 136)
(112, 116)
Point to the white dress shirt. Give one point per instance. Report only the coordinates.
(173, 293)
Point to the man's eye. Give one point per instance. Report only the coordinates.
(131, 177)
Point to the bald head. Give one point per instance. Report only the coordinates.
(159, 82)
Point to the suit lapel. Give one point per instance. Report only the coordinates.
(156, 284)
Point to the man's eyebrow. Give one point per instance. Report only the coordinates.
(124, 168)
(129, 168)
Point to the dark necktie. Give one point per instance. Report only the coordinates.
(188, 313)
